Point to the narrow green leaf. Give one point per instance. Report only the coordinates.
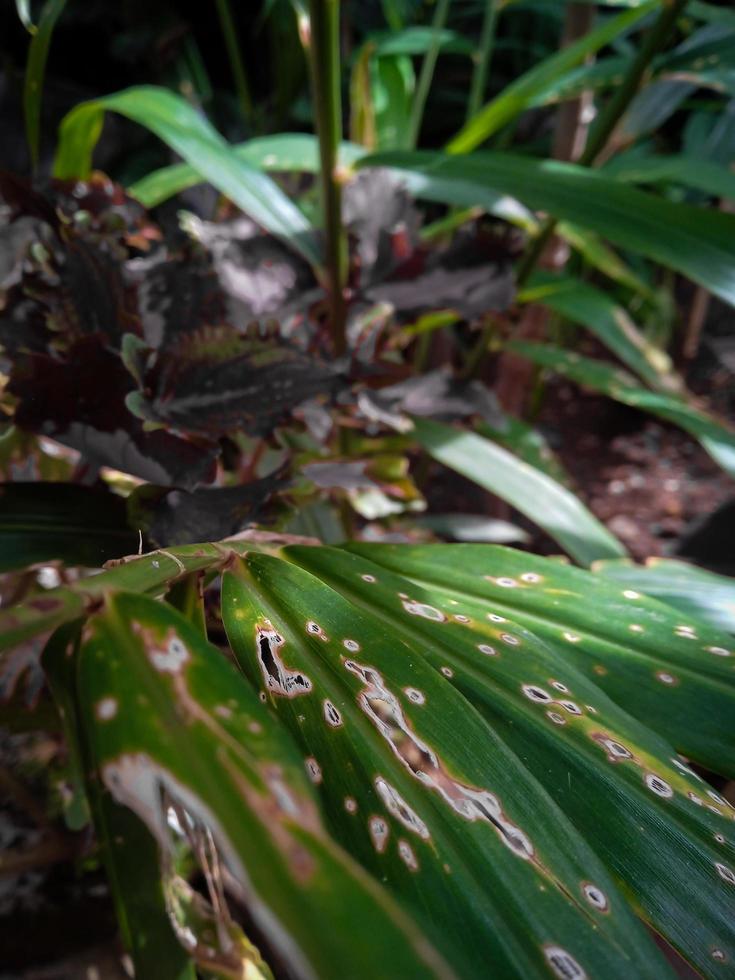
(283, 152)
(419, 788)
(418, 39)
(76, 524)
(521, 93)
(715, 436)
(702, 175)
(36, 69)
(610, 323)
(170, 723)
(23, 7)
(527, 444)
(693, 590)
(532, 492)
(600, 256)
(190, 135)
(652, 820)
(698, 243)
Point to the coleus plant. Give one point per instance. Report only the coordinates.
(433, 760)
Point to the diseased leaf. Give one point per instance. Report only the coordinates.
(171, 724)
(693, 590)
(622, 786)
(424, 793)
(478, 694)
(715, 436)
(531, 491)
(127, 848)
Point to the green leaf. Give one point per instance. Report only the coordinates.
(535, 494)
(424, 793)
(476, 693)
(392, 86)
(48, 521)
(528, 444)
(702, 175)
(171, 724)
(23, 7)
(36, 70)
(283, 152)
(521, 93)
(610, 323)
(128, 850)
(190, 135)
(696, 242)
(654, 823)
(693, 590)
(606, 260)
(715, 436)
(418, 40)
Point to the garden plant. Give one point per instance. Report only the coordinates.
(302, 735)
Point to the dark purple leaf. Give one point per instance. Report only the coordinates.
(217, 381)
(173, 517)
(80, 401)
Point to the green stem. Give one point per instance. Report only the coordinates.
(608, 120)
(427, 72)
(236, 64)
(483, 56)
(323, 51)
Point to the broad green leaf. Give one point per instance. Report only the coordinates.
(46, 521)
(584, 304)
(664, 834)
(283, 152)
(190, 135)
(715, 436)
(532, 492)
(702, 175)
(693, 590)
(128, 851)
(696, 242)
(424, 793)
(170, 724)
(36, 70)
(521, 93)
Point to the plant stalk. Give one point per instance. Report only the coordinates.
(608, 120)
(482, 58)
(427, 73)
(237, 67)
(324, 61)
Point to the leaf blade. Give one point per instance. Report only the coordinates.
(563, 515)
